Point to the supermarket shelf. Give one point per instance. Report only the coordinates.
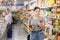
(53, 18)
(26, 27)
(49, 7)
(31, 2)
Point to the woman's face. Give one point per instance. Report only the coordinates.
(7, 11)
(37, 11)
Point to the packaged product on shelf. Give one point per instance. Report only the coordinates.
(46, 20)
(58, 2)
(54, 10)
(39, 2)
(58, 16)
(0, 2)
(58, 9)
(50, 28)
(56, 28)
(3, 2)
(53, 16)
(58, 37)
(50, 2)
(56, 22)
(56, 25)
(49, 14)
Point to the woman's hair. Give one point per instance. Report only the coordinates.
(7, 9)
(36, 8)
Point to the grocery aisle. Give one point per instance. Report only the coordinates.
(18, 33)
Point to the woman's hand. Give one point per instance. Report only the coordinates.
(31, 26)
(42, 25)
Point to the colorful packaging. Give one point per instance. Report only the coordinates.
(50, 22)
(50, 2)
(56, 22)
(58, 37)
(58, 2)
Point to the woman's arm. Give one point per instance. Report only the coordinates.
(29, 24)
(41, 24)
(31, 28)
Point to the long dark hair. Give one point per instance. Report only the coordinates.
(36, 8)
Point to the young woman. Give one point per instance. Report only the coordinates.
(36, 25)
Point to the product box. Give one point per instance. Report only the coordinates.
(58, 37)
(58, 2)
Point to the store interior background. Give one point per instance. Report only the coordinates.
(49, 8)
(18, 31)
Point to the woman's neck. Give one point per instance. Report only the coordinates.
(36, 16)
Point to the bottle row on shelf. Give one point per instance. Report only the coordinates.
(54, 16)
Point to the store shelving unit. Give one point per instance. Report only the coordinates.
(3, 29)
(49, 7)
